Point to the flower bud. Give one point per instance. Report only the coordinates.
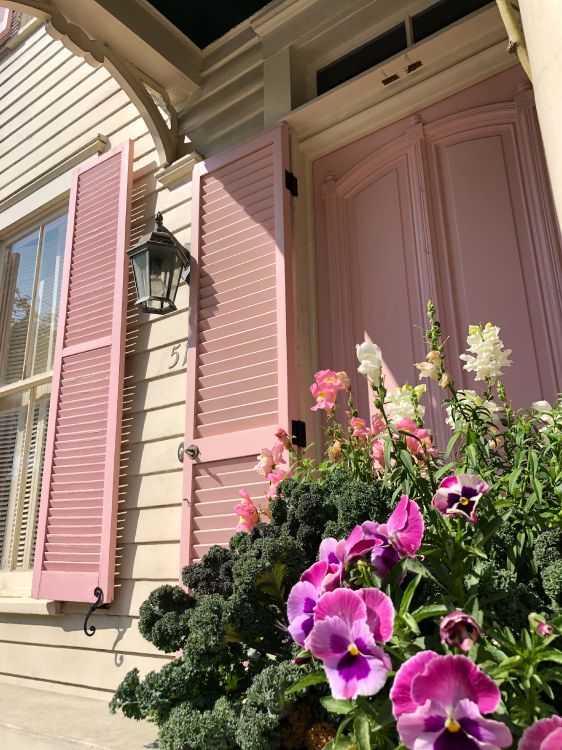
(459, 630)
(334, 453)
(544, 629)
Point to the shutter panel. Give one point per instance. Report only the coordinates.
(240, 364)
(75, 549)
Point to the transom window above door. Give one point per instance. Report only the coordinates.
(30, 281)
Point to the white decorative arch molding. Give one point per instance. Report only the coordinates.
(150, 97)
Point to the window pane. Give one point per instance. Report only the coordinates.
(23, 255)
(29, 514)
(12, 427)
(47, 296)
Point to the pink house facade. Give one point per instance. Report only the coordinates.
(331, 170)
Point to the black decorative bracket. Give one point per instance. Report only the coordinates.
(98, 604)
(298, 430)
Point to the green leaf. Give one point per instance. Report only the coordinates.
(411, 623)
(343, 743)
(408, 595)
(362, 731)
(429, 610)
(336, 706)
(555, 656)
(310, 679)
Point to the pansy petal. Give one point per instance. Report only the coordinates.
(329, 638)
(401, 692)
(300, 628)
(422, 727)
(361, 676)
(343, 603)
(315, 574)
(405, 527)
(450, 679)
(474, 482)
(380, 613)
(534, 735)
(553, 741)
(450, 484)
(328, 549)
(302, 600)
(484, 730)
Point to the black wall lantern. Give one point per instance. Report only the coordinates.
(158, 261)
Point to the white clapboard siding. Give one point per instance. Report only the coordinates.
(51, 102)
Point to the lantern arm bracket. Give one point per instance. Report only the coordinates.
(151, 99)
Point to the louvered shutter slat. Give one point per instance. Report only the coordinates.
(76, 536)
(239, 371)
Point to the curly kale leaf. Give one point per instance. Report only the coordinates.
(213, 574)
(164, 617)
(190, 729)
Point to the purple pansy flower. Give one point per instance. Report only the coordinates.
(339, 553)
(302, 601)
(439, 701)
(459, 630)
(341, 637)
(459, 496)
(400, 536)
(545, 734)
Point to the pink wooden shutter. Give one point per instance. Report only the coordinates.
(76, 535)
(239, 367)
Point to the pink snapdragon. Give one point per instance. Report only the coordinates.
(248, 514)
(275, 477)
(439, 701)
(265, 462)
(418, 443)
(360, 428)
(283, 438)
(326, 387)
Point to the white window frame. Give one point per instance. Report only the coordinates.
(17, 582)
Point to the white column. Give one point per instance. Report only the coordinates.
(542, 23)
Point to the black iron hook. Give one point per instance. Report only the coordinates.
(98, 604)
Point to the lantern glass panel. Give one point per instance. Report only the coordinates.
(142, 278)
(161, 271)
(178, 268)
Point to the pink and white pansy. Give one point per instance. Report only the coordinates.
(439, 701)
(344, 638)
(459, 496)
(545, 734)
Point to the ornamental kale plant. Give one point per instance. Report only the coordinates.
(390, 595)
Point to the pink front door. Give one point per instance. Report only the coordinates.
(452, 203)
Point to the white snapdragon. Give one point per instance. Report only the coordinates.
(486, 355)
(486, 408)
(545, 413)
(370, 358)
(401, 404)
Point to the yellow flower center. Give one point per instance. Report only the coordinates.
(353, 650)
(452, 726)
(464, 501)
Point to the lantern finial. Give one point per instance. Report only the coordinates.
(159, 221)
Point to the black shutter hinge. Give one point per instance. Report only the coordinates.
(298, 433)
(291, 183)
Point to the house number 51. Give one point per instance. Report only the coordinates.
(175, 355)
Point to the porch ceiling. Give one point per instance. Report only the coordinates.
(205, 21)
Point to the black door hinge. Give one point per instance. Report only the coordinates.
(291, 183)
(298, 433)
